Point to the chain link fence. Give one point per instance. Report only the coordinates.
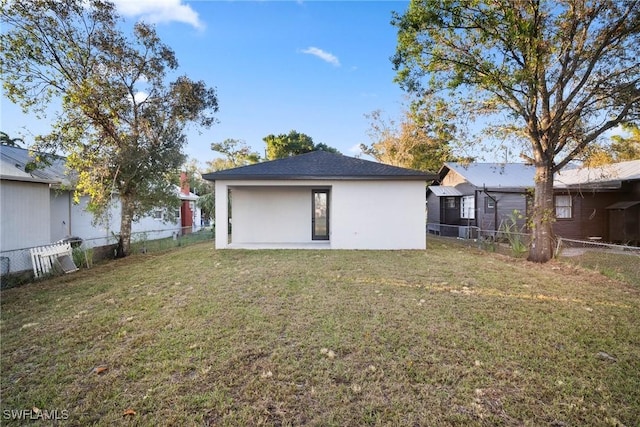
(507, 241)
(620, 262)
(16, 266)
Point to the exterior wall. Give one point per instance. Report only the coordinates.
(25, 214)
(69, 219)
(362, 214)
(24, 209)
(433, 208)
(378, 215)
(271, 215)
(506, 203)
(634, 190)
(33, 214)
(589, 216)
(61, 206)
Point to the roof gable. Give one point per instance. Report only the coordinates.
(319, 165)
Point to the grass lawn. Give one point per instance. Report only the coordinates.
(447, 336)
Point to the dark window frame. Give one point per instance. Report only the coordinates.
(449, 201)
(327, 193)
(489, 205)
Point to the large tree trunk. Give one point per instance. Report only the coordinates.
(126, 217)
(543, 216)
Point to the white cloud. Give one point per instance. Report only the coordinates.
(325, 56)
(160, 11)
(355, 149)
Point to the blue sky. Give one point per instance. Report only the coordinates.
(314, 66)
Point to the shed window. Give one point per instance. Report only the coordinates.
(450, 202)
(489, 204)
(157, 214)
(564, 207)
(468, 207)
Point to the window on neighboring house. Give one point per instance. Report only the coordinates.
(450, 202)
(468, 207)
(157, 214)
(564, 207)
(489, 204)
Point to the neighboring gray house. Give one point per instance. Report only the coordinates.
(482, 195)
(320, 200)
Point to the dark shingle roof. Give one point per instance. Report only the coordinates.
(319, 165)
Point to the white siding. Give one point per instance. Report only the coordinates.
(60, 214)
(25, 214)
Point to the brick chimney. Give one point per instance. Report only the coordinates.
(184, 184)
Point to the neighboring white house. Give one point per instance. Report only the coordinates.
(320, 200)
(37, 209)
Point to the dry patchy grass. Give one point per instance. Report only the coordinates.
(447, 336)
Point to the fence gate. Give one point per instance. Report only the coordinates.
(44, 258)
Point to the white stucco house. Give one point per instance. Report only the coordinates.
(320, 200)
(37, 209)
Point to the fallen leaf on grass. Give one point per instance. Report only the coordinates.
(329, 353)
(99, 369)
(605, 356)
(29, 325)
(128, 412)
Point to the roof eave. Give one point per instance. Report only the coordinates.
(608, 185)
(505, 189)
(29, 179)
(319, 178)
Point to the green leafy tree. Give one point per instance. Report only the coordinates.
(121, 125)
(5, 139)
(564, 72)
(236, 153)
(291, 144)
(620, 148)
(626, 148)
(419, 141)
